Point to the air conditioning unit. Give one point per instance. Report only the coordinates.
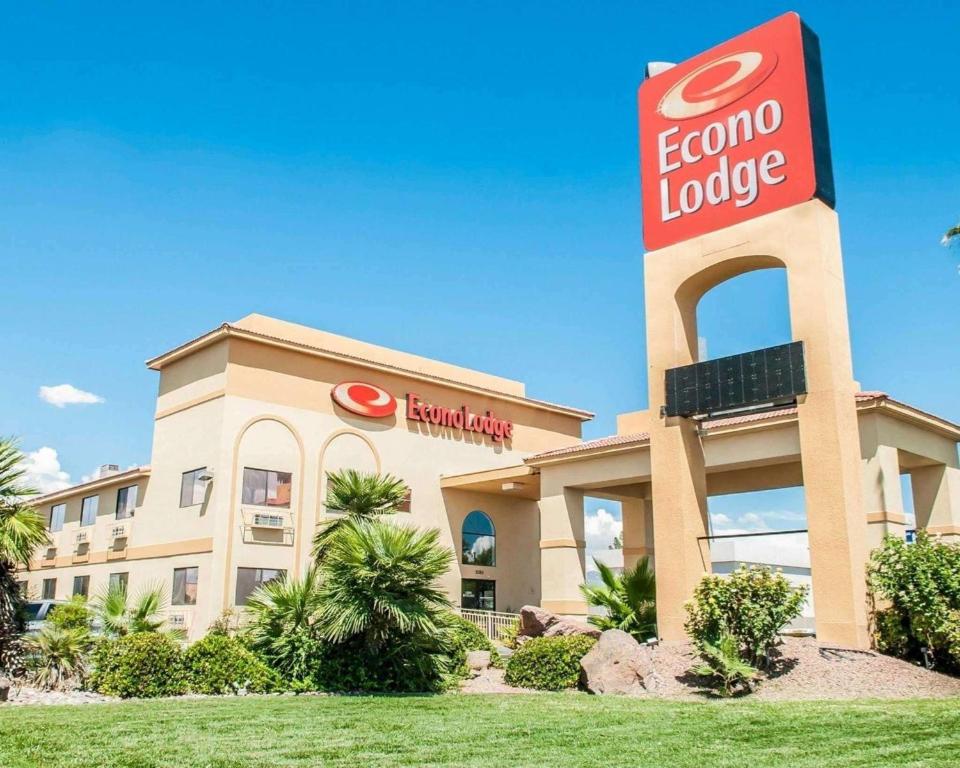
(82, 537)
(107, 470)
(178, 621)
(264, 520)
(50, 554)
(118, 532)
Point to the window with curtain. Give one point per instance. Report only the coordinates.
(251, 579)
(479, 539)
(192, 488)
(81, 585)
(266, 488)
(58, 513)
(126, 502)
(88, 510)
(185, 586)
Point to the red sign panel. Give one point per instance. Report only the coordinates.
(734, 133)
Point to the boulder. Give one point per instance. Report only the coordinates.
(568, 627)
(4, 688)
(618, 664)
(478, 660)
(534, 621)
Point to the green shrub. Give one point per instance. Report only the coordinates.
(548, 663)
(752, 604)
(628, 599)
(219, 664)
(74, 615)
(56, 657)
(142, 664)
(921, 584)
(467, 637)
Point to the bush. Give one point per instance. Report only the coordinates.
(467, 637)
(219, 664)
(57, 657)
(752, 604)
(508, 635)
(921, 583)
(548, 663)
(628, 599)
(722, 662)
(75, 615)
(142, 664)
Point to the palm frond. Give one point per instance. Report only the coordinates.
(22, 529)
(628, 600)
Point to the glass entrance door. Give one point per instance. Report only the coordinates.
(478, 594)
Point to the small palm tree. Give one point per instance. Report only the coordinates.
(379, 581)
(722, 661)
(357, 495)
(122, 616)
(282, 613)
(628, 599)
(57, 656)
(22, 530)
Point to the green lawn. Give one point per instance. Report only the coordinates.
(489, 731)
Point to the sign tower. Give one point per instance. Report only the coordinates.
(736, 176)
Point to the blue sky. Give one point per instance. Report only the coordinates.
(454, 179)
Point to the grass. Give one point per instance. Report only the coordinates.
(554, 730)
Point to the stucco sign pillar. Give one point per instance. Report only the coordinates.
(736, 177)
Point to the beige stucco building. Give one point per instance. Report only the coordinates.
(248, 422)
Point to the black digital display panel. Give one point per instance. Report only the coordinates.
(772, 375)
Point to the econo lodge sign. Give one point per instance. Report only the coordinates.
(375, 402)
(733, 133)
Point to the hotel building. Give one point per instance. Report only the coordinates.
(251, 417)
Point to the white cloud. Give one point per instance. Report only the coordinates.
(720, 520)
(43, 471)
(66, 394)
(600, 528)
(758, 522)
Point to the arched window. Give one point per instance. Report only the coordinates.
(479, 540)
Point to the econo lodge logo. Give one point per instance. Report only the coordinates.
(364, 399)
(733, 133)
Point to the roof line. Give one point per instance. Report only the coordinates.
(227, 330)
(90, 485)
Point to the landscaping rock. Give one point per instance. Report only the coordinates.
(567, 627)
(617, 664)
(478, 660)
(536, 622)
(4, 688)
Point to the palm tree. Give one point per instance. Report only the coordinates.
(282, 614)
(120, 616)
(22, 530)
(58, 656)
(629, 600)
(379, 581)
(357, 495)
(953, 232)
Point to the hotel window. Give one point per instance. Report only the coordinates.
(249, 580)
(49, 590)
(126, 502)
(184, 586)
(119, 580)
(81, 585)
(478, 594)
(192, 488)
(266, 488)
(88, 510)
(58, 513)
(479, 540)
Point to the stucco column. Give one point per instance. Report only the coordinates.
(936, 500)
(562, 549)
(637, 531)
(882, 495)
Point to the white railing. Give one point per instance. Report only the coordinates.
(491, 622)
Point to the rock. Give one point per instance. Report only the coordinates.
(568, 627)
(4, 688)
(618, 664)
(478, 660)
(534, 621)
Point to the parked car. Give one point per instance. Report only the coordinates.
(37, 612)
